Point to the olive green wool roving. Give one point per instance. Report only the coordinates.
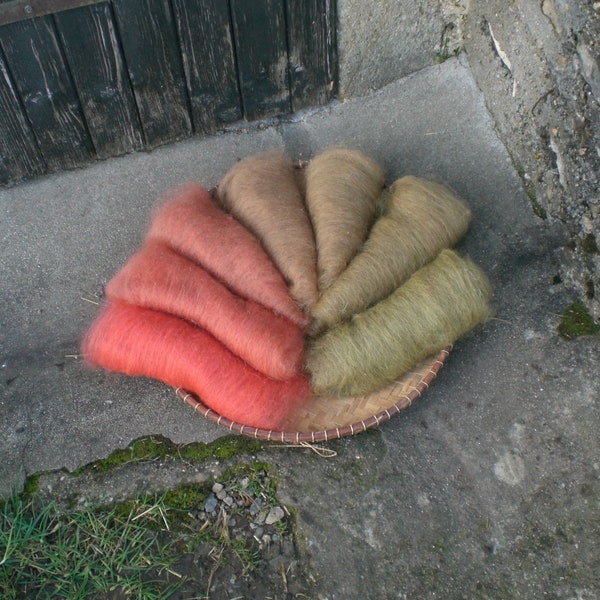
(438, 304)
(342, 187)
(421, 219)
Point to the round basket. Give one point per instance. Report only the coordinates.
(322, 419)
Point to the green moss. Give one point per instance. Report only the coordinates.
(588, 244)
(159, 447)
(31, 485)
(145, 448)
(576, 321)
(538, 209)
(186, 497)
(229, 446)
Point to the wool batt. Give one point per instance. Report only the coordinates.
(141, 341)
(342, 188)
(439, 303)
(262, 192)
(191, 223)
(421, 219)
(159, 278)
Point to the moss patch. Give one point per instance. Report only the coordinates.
(577, 321)
(186, 497)
(159, 447)
(588, 244)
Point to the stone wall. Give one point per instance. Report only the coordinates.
(537, 63)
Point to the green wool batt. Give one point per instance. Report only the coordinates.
(438, 304)
(421, 218)
(341, 191)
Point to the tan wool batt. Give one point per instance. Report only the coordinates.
(342, 188)
(438, 304)
(262, 192)
(421, 219)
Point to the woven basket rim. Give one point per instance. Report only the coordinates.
(396, 406)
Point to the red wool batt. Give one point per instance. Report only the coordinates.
(193, 225)
(141, 341)
(159, 278)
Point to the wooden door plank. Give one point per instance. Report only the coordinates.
(262, 58)
(19, 154)
(35, 60)
(92, 50)
(311, 39)
(149, 40)
(208, 59)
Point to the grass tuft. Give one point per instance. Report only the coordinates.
(84, 554)
(147, 547)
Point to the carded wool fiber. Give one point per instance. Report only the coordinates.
(421, 218)
(438, 304)
(342, 188)
(159, 278)
(191, 223)
(141, 341)
(262, 192)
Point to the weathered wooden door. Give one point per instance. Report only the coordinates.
(85, 79)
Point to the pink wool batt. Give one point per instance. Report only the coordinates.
(159, 278)
(192, 224)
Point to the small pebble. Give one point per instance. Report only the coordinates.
(275, 515)
(217, 487)
(211, 503)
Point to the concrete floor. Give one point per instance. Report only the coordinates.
(487, 487)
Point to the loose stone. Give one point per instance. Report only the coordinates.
(275, 515)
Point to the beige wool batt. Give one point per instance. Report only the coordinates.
(438, 304)
(262, 192)
(420, 219)
(342, 188)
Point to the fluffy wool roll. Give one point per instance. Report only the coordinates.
(421, 219)
(140, 341)
(262, 192)
(342, 188)
(191, 223)
(438, 304)
(159, 278)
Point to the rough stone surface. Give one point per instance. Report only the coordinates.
(546, 105)
(379, 42)
(538, 66)
(487, 487)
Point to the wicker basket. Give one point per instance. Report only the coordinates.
(323, 419)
